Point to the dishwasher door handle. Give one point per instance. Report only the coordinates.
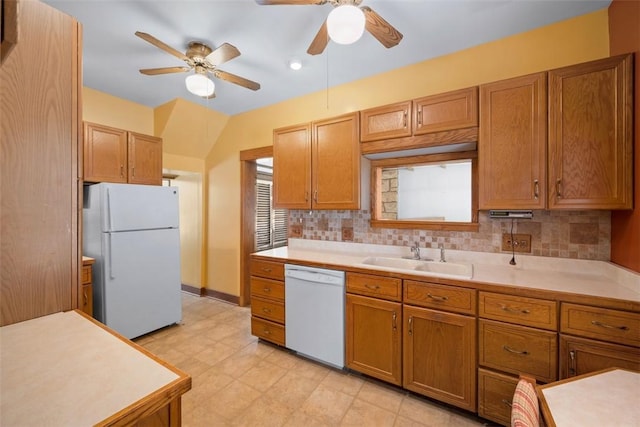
(313, 277)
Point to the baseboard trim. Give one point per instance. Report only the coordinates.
(221, 295)
(192, 290)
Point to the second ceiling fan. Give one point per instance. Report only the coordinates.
(346, 23)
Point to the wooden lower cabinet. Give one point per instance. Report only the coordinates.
(495, 393)
(267, 300)
(580, 356)
(439, 355)
(374, 337)
(85, 296)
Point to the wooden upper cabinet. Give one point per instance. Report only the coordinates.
(317, 165)
(116, 155)
(512, 143)
(292, 167)
(590, 135)
(105, 153)
(145, 159)
(445, 112)
(388, 121)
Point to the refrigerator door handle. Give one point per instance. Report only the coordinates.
(111, 276)
(109, 219)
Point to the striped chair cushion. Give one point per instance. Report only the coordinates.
(525, 411)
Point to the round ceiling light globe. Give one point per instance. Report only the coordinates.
(199, 84)
(345, 24)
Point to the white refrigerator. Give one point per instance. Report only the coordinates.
(132, 232)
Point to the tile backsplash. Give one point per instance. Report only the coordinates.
(564, 234)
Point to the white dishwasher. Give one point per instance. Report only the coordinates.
(314, 313)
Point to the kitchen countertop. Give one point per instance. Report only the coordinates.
(582, 277)
(65, 369)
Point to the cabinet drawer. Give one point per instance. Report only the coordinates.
(267, 288)
(581, 355)
(375, 286)
(267, 330)
(617, 326)
(518, 350)
(451, 298)
(495, 393)
(86, 275)
(270, 310)
(268, 269)
(534, 312)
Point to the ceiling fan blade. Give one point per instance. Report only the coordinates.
(222, 54)
(301, 2)
(232, 78)
(381, 29)
(157, 43)
(320, 42)
(164, 70)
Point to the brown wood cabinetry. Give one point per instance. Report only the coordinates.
(594, 338)
(317, 165)
(373, 329)
(267, 300)
(590, 135)
(116, 155)
(40, 110)
(85, 297)
(495, 394)
(432, 120)
(512, 143)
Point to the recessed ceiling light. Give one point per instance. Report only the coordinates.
(295, 64)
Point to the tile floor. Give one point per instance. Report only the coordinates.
(241, 381)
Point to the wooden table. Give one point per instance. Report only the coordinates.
(605, 398)
(67, 369)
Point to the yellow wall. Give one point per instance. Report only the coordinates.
(99, 107)
(573, 41)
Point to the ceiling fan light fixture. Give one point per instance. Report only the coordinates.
(200, 84)
(295, 64)
(345, 24)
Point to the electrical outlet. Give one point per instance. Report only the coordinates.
(295, 230)
(521, 243)
(347, 234)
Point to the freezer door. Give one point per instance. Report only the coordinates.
(138, 207)
(141, 288)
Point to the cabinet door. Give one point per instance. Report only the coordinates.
(386, 122)
(590, 135)
(105, 154)
(373, 337)
(448, 111)
(292, 167)
(580, 356)
(336, 163)
(145, 159)
(512, 143)
(440, 356)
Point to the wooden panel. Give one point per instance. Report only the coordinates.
(268, 269)
(439, 355)
(386, 122)
(270, 310)
(512, 144)
(336, 163)
(267, 288)
(85, 299)
(621, 327)
(292, 167)
(534, 312)
(39, 173)
(591, 135)
(518, 350)
(495, 394)
(375, 286)
(442, 297)
(86, 275)
(145, 159)
(580, 356)
(448, 111)
(105, 154)
(373, 337)
(269, 331)
(420, 141)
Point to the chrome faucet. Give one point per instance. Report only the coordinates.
(441, 246)
(416, 251)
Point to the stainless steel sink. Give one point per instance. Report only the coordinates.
(460, 270)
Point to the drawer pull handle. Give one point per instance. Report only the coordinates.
(266, 310)
(267, 289)
(394, 317)
(86, 298)
(604, 325)
(506, 402)
(510, 350)
(410, 325)
(514, 310)
(373, 287)
(266, 270)
(266, 332)
(437, 297)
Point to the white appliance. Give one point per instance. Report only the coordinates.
(132, 232)
(314, 313)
